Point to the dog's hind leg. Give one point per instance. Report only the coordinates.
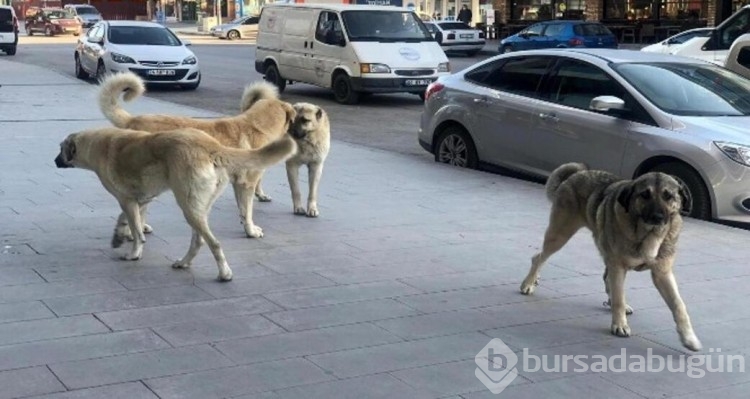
(292, 174)
(195, 245)
(244, 186)
(608, 302)
(262, 196)
(133, 214)
(197, 218)
(665, 282)
(314, 171)
(561, 228)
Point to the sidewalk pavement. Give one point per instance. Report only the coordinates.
(408, 273)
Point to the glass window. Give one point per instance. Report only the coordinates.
(251, 21)
(739, 25)
(683, 37)
(328, 30)
(591, 30)
(532, 10)
(59, 14)
(576, 83)
(431, 27)
(93, 31)
(533, 30)
(521, 75)
(690, 89)
(453, 25)
(385, 26)
(554, 30)
(86, 11)
(139, 35)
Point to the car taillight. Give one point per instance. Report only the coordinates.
(451, 36)
(576, 41)
(433, 88)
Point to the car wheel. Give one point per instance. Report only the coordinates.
(454, 146)
(101, 71)
(29, 32)
(506, 49)
(472, 53)
(273, 76)
(10, 50)
(343, 91)
(233, 35)
(697, 202)
(48, 31)
(80, 73)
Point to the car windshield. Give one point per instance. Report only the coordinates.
(385, 26)
(690, 89)
(87, 11)
(453, 25)
(59, 14)
(142, 35)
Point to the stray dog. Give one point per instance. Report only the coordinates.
(136, 166)
(264, 119)
(312, 132)
(635, 224)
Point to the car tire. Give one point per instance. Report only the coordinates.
(10, 50)
(101, 71)
(506, 49)
(233, 35)
(472, 53)
(29, 32)
(80, 73)
(455, 147)
(698, 203)
(48, 31)
(272, 75)
(343, 91)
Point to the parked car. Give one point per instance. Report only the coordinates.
(559, 33)
(457, 36)
(668, 44)
(51, 21)
(624, 111)
(716, 46)
(8, 30)
(148, 49)
(240, 28)
(86, 14)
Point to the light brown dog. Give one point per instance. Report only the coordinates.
(635, 223)
(136, 166)
(264, 119)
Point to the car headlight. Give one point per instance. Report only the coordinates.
(444, 67)
(54, 21)
(190, 60)
(216, 29)
(122, 59)
(374, 68)
(737, 152)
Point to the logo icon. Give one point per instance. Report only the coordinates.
(496, 366)
(409, 53)
(159, 64)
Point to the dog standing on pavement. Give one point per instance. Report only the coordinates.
(136, 166)
(264, 119)
(635, 224)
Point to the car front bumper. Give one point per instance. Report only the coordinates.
(220, 34)
(729, 182)
(416, 84)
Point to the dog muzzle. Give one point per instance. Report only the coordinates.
(60, 163)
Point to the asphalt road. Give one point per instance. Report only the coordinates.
(388, 121)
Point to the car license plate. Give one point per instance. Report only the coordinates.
(161, 72)
(417, 82)
(466, 36)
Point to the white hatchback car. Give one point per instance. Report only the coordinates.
(669, 43)
(457, 36)
(147, 49)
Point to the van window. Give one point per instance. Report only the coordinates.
(385, 26)
(86, 10)
(328, 30)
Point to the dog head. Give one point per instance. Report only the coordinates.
(309, 118)
(655, 198)
(68, 150)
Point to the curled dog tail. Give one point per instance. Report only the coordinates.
(559, 175)
(261, 158)
(260, 90)
(126, 83)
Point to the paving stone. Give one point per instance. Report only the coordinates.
(184, 312)
(738, 391)
(133, 367)
(340, 294)
(260, 285)
(20, 311)
(29, 292)
(18, 275)
(381, 386)
(583, 386)
(212, 330)
(36, 330)
(478, 279)
(326, 316)
(130, 390)
(379, 273)
(27, 382)
(475, 298)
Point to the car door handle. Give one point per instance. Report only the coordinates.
(551, 117)
(480, 100)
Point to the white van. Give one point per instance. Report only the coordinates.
(351, 49)
(715, 46)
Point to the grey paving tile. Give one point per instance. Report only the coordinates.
(384, 272)
(475, 298)
(310, 264)
(184, 312)
(20, 311)
(133, 367)
(727, 336)
(381, 386)
(18, 275)
(27, 382)
(738, 391)
(29, 331)
(437, 324)
(260, 285)
(78, 348)
(126, 300)
(391, 357)
(235, 381)
(130, 390)
(212, 330)
(29, 292)
(303, 343)
(583, 386)
(479, 279)
(326, 316)
(341, 294)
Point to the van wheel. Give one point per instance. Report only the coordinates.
(80, 73)
(233, 35)
(343, 90)
(273, 76)
(48, 31)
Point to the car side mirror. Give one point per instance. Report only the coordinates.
(607, 104)
(95, 40)
(187, 42)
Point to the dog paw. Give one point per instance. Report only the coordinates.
(130, 257)
(225, 276)
(528, 287)
(621, 329)
(117, 240)
(263, 197)
(180, 264)
(312, 212)
(691, 342)
(300, 210)
(253, 231)
(147, 229)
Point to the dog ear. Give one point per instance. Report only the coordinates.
(624, 196)
(291, 113)
(70, 150)
(319, 114)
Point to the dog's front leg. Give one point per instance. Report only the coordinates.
(133, 214)
(292, 174)
(616, 282)
(665, 282)
(314, 171)
(244, 186)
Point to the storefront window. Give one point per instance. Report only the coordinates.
(540, 10)
(656, 9)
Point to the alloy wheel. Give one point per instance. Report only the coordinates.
(453, 151)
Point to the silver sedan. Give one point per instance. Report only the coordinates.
(240, 28)
(627, 112)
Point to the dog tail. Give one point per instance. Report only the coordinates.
(261, 158)
(260, 90)
(559, 175)
(126, 83)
